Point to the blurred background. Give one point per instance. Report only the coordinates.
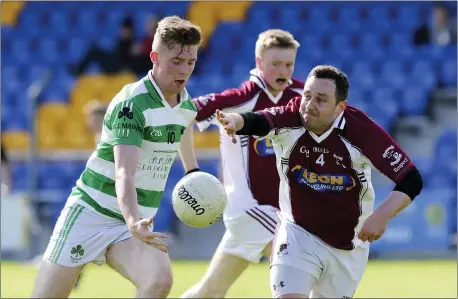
(62, 62)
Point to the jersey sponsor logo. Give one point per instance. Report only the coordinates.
(304, 150)
(125, 112)
(391, 154)
(320, 150)
(323, 182)
(156, 133)
(400, 166)
(339, 160)
(263, 147)
(191, 201)
(127, 126)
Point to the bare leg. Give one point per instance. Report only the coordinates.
(55, 281)
(146, 267)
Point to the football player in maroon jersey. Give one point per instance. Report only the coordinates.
(249, 175)
(325, 150)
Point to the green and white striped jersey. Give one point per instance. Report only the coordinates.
(138, 115)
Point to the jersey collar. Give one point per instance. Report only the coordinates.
(255, 77)
(153, 89)
(339, 123)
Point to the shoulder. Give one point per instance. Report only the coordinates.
(359, 127)
(355, 117)
(295, 88)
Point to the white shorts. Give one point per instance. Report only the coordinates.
(247, 235)
(325, 270)
(82, 235)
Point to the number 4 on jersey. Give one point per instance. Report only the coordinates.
(320, 160)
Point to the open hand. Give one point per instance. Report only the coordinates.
(142, 231)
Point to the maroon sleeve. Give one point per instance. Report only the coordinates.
(208, 104)
(377, 145)
(284, 116)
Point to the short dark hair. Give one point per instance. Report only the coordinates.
(334, 74)
(175, 30)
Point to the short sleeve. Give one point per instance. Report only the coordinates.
(379, 147)
(127, 122)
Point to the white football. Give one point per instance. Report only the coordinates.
(199, 199)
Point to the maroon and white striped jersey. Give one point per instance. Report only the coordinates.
(326, 180)
(250, 177)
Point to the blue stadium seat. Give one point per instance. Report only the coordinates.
(414, 100)
(424, 73)
(384, 107)
(59, 22)
(87, 21)
(393, 74)
(408, 16)
(14, 119)
(342, 45)
(448, 72)
(446, 151)
(20, 48)
(20, 175)
(29, 23)
(317, 15)
(399, 41)
(49, 50)
(77, 48)
(361, 75)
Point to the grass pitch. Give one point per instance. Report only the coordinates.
(382, 279)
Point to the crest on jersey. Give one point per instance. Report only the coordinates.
(203, 100)
(125, 112)
(323, 182)
(391, 154)
(263, 147)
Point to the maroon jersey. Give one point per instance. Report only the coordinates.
(326, 180)
(249, 171)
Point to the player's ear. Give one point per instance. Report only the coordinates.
(154, 57)
(342, 105)
(258, 62)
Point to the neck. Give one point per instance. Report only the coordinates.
(273, 92)
(171, 98)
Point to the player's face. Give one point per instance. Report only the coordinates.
(276, 67)
(319, 106)
(174, 67)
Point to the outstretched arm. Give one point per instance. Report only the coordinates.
(260, 123)
(187, 151)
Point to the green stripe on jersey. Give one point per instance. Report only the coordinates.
(145, 198)
(105, 151)
(189, 105)
(77, 192)
(167, 133)
(145, 101)
(154, 94)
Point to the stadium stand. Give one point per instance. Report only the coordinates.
(390, 77)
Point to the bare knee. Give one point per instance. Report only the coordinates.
(156, 286)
